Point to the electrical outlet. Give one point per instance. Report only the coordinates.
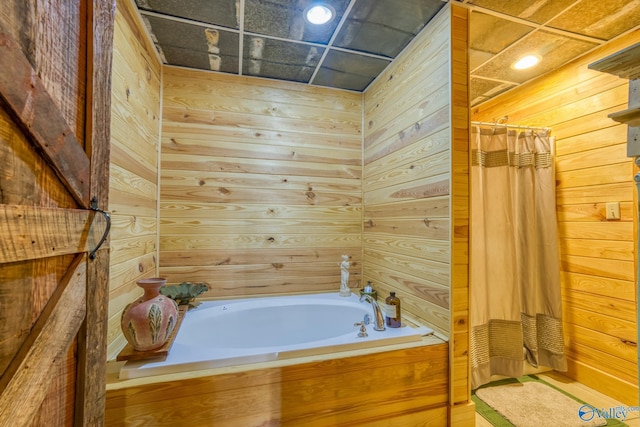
(613, 210)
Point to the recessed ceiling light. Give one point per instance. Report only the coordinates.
(319, 14)
(525, 62)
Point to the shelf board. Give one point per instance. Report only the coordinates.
(624, 63)
(629, 117)
(129, 353)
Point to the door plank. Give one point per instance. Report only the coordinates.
(25, 382)
(42, 232)
(27, 98)
(92, 338)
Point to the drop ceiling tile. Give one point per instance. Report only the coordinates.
(481, 89)
(348, 71)
(489, 35)
(216, 12)
(492, 34)
(555, 50)
(539, 11)
(195, 46)
(277, 59)
(278, 43)
(385, 27)
(600, 19)
(285, 19)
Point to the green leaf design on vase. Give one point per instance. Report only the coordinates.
(170, 326)
(132, 332)
(155, 320)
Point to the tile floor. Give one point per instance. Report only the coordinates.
(580, 391)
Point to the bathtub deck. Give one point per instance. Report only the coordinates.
(404, 382)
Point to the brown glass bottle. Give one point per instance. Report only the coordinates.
(392, 312)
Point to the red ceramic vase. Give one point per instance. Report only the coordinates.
(148, 322)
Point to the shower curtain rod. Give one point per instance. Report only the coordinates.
(508, 125)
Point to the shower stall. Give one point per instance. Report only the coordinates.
(516, 309)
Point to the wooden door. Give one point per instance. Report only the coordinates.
(55, 67)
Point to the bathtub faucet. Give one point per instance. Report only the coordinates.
(377, 313)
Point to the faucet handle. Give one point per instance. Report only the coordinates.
(363, 329)
(367, 319)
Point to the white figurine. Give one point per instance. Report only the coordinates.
(344, 277)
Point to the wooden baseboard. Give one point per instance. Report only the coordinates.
(603, 382)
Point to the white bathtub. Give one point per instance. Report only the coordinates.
(234, 332)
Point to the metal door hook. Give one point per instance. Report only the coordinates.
(107, 217)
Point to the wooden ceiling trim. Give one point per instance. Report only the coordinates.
(27, 98)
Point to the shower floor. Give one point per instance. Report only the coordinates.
(580, 391)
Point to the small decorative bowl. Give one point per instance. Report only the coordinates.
(185, 292)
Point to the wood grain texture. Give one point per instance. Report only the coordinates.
(416, 186)
(133, 170)
(406, 180)
(26, 95)
(260, 184)
(459, 368)
(41, 232)
(398, 387)
(598, 256)
(55, 87)
(24, 384)
(92, 339)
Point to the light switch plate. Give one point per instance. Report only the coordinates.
(613, 210)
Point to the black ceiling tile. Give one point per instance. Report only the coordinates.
(277, 59)
(348, 71)
(284, 19)
(385, 27)
(195, 46)
(216, 12)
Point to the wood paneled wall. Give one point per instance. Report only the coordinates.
(407, 178)
(133, 186)
(598, 261)
(260, 184)
(415, 184)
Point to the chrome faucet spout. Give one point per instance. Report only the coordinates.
(377, 313)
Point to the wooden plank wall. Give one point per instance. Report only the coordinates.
(260, 184)
(462, 410)
(598, 261)
(135, 140)
(415, 186)
(407, 178)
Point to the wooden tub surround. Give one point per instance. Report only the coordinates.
(405, 385)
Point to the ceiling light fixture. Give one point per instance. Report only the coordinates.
(319, 14)
(525, 62)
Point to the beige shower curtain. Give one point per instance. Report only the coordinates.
(516, 310)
